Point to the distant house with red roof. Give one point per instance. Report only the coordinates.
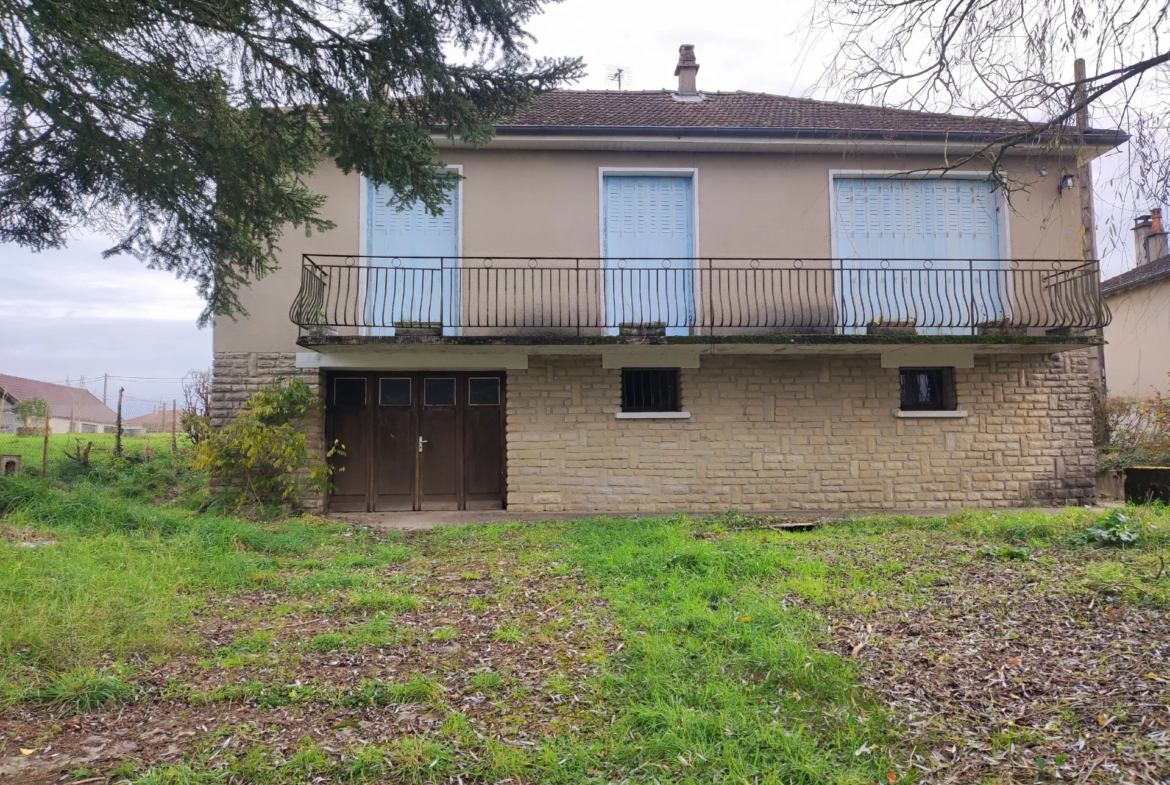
(73, 409)
(158, 421)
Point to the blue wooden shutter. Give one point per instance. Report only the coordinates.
(400, 288)
(946, 234)
(648, 234)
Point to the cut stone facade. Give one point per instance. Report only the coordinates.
(814, 432)
(807, 432)
(237, 375)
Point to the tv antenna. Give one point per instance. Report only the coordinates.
(620, 76)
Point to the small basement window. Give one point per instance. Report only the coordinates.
(928, 389)
(650, 390)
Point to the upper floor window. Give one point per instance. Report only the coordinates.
(928, 389)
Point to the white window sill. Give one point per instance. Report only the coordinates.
(914, 415)
(653, 415)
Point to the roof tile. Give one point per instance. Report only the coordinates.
(661, 109)
(64, 401)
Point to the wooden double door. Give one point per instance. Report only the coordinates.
(429, 440)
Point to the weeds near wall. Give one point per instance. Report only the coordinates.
(263, 454)
(1132, 431)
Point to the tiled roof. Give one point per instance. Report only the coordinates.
(155, 422)
(63, 401)
(1147, 273)
(587, 111)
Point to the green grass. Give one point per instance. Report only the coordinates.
(119, 576)
(31, 449)
(707, 637)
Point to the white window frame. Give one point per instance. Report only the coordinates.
(364, 229)
(654, 171)
(647, 171)
(1001, 211)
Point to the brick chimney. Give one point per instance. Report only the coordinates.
(686, 70)
(1149, 237)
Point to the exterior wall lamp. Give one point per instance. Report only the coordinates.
(1067, 181)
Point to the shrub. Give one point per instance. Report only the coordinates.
(263, 454)
(32, 412)
(1133, 431)
(1116, 527)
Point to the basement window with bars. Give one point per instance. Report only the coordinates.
(650, 390)
(928, 389)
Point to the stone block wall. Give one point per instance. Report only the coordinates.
(814, 432)
(236, 375)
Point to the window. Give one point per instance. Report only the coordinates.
(650, 390)
(349, 391)
(88, 427)
(394, 392)
(438, 392)
(483, 391)
(928, 389)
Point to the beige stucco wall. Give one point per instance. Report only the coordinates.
(1137, 357)
(800, 433)
(545, 203)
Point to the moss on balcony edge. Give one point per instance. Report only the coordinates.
(700, 340)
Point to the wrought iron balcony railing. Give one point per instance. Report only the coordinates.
(381, 296)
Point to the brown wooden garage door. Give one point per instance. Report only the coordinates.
(431, 440)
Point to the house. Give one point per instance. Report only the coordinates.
(1137, 355)
(72, 409)
(688, 300)
(161, 420)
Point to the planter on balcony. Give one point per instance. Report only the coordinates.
(903, 327)
(412, 329)
(999, 327)
(321, 331)
(642, 329)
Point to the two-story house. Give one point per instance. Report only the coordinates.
(682, 300)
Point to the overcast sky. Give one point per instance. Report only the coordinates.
(69, 313)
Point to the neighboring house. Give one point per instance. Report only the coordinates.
(681, 300)
(158, 421)
(1137, 355)
(73, 409)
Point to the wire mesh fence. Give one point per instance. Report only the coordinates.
(65, 425)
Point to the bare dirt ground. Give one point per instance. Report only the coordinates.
(999, 674)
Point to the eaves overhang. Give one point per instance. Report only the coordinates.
(772, 139)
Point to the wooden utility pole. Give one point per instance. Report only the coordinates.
(1088, 216)
(45, 455)
(118, 428)
(174, 425)
(105, 386)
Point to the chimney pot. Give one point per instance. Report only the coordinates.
(686, 70)
(1149, 237)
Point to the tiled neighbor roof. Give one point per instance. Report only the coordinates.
(1147, 273)
(591, 111)
(62, 399)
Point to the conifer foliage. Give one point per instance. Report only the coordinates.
(186, 129)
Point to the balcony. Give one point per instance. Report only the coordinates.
(366, 299)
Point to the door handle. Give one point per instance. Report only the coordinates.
(421, 442)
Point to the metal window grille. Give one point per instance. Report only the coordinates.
(928, 389)
(650, 390)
